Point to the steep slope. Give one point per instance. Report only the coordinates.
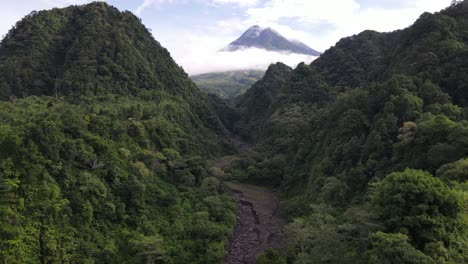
(85, 50)
(268, 39)
(227, 85)
(258, 100)
(95, 50)
(103, 146)
(373, 105)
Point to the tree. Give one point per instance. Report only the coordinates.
(416, 203)
(457, 171)
(209, 186)
(149, 249)
(395, 249)
(9, 141)
(317, 238)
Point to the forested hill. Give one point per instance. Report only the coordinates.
(432, 51)
(369, 143)
(96, 50)
(104, 142)
(86, 50)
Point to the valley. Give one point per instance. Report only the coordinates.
(261, 223)
(110, 153)
(227, 85)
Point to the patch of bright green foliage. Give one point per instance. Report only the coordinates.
(107, 180)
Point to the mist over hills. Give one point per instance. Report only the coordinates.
(227, 85)
(256, 41)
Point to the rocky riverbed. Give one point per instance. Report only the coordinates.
(260, 224)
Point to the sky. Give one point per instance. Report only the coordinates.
(195, 30)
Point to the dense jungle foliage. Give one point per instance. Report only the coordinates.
(368, 145)
(104, 142)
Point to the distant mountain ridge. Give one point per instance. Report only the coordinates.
(268, 39)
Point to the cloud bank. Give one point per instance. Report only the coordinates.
(200, 53)
(251, 58)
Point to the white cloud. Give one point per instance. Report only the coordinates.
(240, 60)
(198, 53)
(237, 2)
(347, 17)
(308, 10)
(143, 6)
(148, 3)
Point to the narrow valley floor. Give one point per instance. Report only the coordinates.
(260, 224)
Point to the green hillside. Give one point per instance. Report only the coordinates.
(368, 145)
(227, 85)
(104, 141)
(105, 145)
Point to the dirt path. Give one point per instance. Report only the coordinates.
(260, 224)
